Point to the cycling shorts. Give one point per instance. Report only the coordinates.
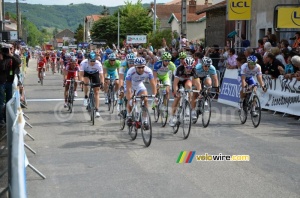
(250, 81)
(94, 76)
(165, 80)
(112, 75)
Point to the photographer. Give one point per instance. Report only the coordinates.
(9, 66)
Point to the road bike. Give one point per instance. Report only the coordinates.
(140, 120)
(250, 104)
(111, 95)
(183, 113)
(70, 97)
(203, 105)
(122, 112)
(91, 101)
(161, 108)
(41, 75)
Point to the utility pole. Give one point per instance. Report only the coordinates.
(18, 18)
(183, 17)
(118, 29)
(154, 17)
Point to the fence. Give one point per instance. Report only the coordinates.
(17, 159)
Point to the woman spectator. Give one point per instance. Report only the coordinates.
(296, 63)
(278, 55)
(260, 48)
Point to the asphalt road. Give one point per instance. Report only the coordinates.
(81, 160)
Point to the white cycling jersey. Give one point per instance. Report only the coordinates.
(137, 79)
(250, 73)
(85, 66)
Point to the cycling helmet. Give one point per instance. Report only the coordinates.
(92, 56)
(108, 51)
(112, 56)
(182, 55)
(130, 56)
(189, 62)
(139, 61)
(73, 60)
(206, 60)
(72, 53)
(166, 56)
(68, 56)
(79, 51)
(252, 59)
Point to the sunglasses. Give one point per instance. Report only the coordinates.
(251, 63)
(167, 60)
(112, 59)
(189, 67)
(205, 65)
(92, 61)
(140, 67)
(130, 62)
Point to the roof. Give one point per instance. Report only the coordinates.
(191, 17)
(59, 40)
(94, 17)
(222, 4)
(164, 11)
(177, 2)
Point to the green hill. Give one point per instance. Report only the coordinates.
(56, 16)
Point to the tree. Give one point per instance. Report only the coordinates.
(105, 11)
(156, 39)
(55, 31)
(79, 34)
(133, 20)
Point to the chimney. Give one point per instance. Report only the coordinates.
(206, 2)
(192, 6)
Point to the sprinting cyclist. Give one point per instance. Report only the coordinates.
(71, 71)
(248, 70)
(134, 83)
(53, 61)
(207, 73)
(183, 76)
(125, 66)
(91, 68)
(161, 72)
(111, 67)
(180, 59)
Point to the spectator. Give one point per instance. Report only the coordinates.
(174, 42)
(285, 48)
(248, 51)
(231, 60)
(27, 55)
(183, 41)
(150, 48)
(273, 40)
(245, 42)
(260, 48)
(278, 55)
(9, 66)
(289, 69)
(296, 63)
(214, 54)
(297, 40)
(265, 39)
(273, 66)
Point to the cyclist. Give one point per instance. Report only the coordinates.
(79, 56)
(91, 68)
(71, 71)
(53, 60)
(183, 76)
(41, 62)
(134, 82)
(180, 59)
(248, 70)
(111, 67)
(161, 72)
(105, 55)
(126, 65)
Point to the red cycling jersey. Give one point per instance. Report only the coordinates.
(72, 72)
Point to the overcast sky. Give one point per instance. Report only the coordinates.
(108, 3)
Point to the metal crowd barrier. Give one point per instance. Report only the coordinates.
(17, 160)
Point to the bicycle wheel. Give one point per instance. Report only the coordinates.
(243, 112)
(92, 110)
(112, 101)
(156, 110)
(176, 127)
(255, 111)
(122, 116)
(132, 130)
(186, 119)
(206, 111)
(164, 112)
(70, 100)
(146, 127)
(198, 111)
(109, 100)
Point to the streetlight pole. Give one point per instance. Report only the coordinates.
(118, 29)
(18, 18)
(154, 17)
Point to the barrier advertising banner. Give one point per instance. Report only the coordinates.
(283, 95)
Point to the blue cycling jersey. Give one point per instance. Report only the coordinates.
(202, 73)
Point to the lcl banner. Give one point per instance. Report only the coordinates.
(239, 10)
(288, 17)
